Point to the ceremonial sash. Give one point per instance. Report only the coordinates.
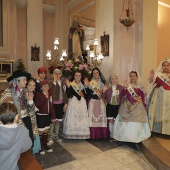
(95, 87)
(133, 93)
(163, 78)
(77, 89)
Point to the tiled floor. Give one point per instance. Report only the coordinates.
(94, 155)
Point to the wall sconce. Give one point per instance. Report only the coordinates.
(53, 57)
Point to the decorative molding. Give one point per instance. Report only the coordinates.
(85, 7)
(90, 20)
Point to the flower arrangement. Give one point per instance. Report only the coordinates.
(69, 68)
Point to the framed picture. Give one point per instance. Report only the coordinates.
(35, 53)
(105, 44)
(6, 68)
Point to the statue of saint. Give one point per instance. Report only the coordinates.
(76, 38)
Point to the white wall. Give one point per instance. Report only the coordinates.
(104, 22)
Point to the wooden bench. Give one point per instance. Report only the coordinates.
(28, 162)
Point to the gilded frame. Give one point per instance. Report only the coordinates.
(104, 40)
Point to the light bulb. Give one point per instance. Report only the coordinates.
(56, 42)
(92, 54)
(87, 47)
(48, 55)
(96, 42)
(64, 53)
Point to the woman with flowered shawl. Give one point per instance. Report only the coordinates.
(18, 94)
(159, 100)
(131, 124)
(97, 106)
(76, 125)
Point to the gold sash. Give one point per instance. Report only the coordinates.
(95, 87)
(133, 93)
(77, 89)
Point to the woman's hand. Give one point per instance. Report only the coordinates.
(54, 78)
(37, 77)
(65, 108)
(105, 87)
(30, 95)
(86, 82)
(126, 84)
(152, 75)
(68, 83)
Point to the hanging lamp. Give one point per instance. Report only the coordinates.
(126, 16)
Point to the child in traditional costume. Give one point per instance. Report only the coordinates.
(46, 114)
(60, 100)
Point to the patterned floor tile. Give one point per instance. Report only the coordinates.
(93, 155)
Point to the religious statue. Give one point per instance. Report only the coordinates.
(76, 38)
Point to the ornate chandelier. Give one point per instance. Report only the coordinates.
(126, 17)
(53, 57)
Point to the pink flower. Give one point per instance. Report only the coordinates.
(85, 66)
(80, 67)
(69, 65)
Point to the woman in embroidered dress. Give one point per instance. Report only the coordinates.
(159, 101)
(113, 97)
(97, 106)
(76, 124)
(131, 124)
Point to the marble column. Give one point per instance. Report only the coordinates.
(104, 23)
(34, 33)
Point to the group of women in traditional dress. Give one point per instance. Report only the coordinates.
(136, 118)
(86, 113)
(93, 108)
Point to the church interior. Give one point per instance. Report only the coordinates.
(28, 29)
